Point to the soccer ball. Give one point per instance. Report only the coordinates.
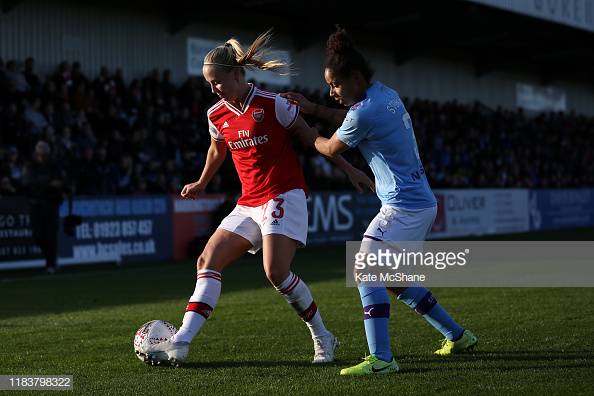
(151, 334)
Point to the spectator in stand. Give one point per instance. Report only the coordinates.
(125, 175)
(12, 126)
(3, 81)
(168, 90)
(16, 78)
(120, 85)
(6, 187)
(77, 76)
(63, 75)
(13, 167)
(35, 121)
(107, 173)
(30, 76)
(103, 85)
(87, 173)
(43, 179)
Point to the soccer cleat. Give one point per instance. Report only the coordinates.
(172, 353)
(372, 365)
(467, 342)
(324, 348)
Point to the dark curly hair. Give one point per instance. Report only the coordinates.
(343, 58)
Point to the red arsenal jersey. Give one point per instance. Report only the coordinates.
(260, 144)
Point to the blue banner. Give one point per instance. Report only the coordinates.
(119, 229)
(140, 228)
(561, 208)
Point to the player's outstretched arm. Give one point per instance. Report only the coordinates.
(358, 178)
(334, 116)
(310, 137)
(214, 159)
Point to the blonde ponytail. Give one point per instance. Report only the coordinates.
(232, 54)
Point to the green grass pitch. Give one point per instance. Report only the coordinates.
(81, 322)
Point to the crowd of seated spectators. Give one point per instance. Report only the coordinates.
(150, 136)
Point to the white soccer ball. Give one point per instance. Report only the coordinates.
(150, 335)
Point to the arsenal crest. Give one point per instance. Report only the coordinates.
(258, 115)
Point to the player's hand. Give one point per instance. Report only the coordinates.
(297, 99)
(192, 190)
(360, 180)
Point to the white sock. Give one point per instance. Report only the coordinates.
(298, 295)
(201, 304)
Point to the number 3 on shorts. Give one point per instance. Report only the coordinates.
(279, 212)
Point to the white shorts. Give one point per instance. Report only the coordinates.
(285, 214)
(398, 224)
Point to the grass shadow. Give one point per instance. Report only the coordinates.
(519, 356)
(87, 288)
(465, 368)
(255, 364)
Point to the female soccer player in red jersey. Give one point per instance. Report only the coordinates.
(256, 126)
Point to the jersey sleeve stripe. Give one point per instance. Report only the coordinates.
(294, 118)
(213, 131)
(233, 109)
(267, 97)
(216, 106)
(266, 94)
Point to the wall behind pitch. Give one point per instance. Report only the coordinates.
(128, 38)
(138, 41)
(443, 80)
(54, 31)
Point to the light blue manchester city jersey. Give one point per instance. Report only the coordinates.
(382, 129)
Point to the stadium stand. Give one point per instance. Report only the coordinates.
(150, 136)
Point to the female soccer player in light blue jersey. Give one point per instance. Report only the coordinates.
(379, 125)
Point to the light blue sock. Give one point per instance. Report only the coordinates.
(376, 316)
(423, 302)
